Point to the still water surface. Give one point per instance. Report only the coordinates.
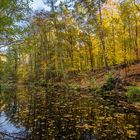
(31, 113)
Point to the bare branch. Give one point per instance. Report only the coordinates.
(2, 45)
(138, 8)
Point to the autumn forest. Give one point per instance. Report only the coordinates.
(70, 71)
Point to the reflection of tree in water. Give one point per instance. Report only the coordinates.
(11, 102)
(9, 110)
(52, 114)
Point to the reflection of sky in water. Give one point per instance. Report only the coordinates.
(6, 126)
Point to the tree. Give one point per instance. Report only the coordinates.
(73, 37)
(11, 13)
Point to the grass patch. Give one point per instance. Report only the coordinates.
(133, 93)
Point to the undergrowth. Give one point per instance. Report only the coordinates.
(133, 93)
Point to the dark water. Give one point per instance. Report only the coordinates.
(51, 114)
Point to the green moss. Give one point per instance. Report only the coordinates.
(133, 93)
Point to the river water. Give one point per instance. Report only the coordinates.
(36, 113)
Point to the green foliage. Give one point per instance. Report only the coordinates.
(65, 41)
(133, 93)
(110, 82)
(74, 86)
(92, 81)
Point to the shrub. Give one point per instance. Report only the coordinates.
(110, 82)
(133, 93)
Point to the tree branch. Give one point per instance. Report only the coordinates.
(138, 8)
(2, 45)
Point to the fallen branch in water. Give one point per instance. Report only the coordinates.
(10, 135)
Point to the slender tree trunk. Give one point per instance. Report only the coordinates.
(91, 57)
(124, 49)
(136, 41)
(114, 43)
(102, 37)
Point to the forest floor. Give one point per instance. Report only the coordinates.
(130, 74)
(126, 76)
(104, 92)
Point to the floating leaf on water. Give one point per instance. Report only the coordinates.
(108, 118)
(56, 104)
(101, 118)
(130, 126)
(62, 106)
(68, 116)
(39, 117)
(70, 103)
(37, 133)
(131, 133)
(119, 115)
(85, 126)
(42, 123)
